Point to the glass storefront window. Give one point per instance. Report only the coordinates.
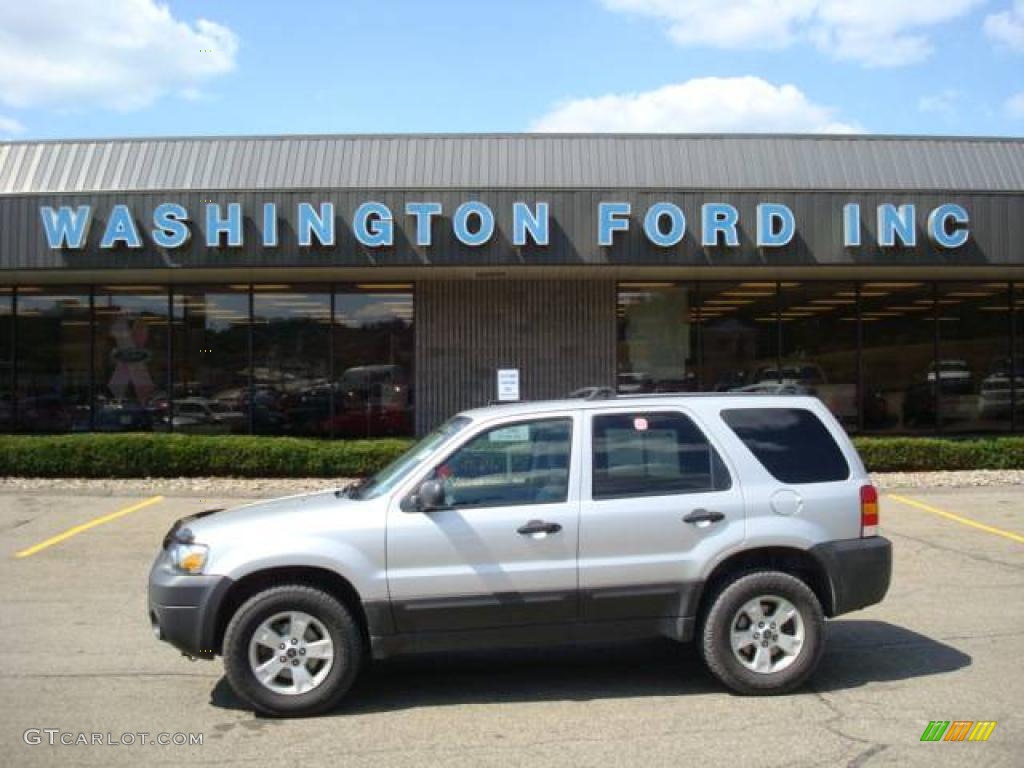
(373, 359)
(656, 349)
(6, 359)
(131, 337)
(899, 356)
(211, 360)
(291, 360)
(818, 346)
(1018, 358)
(53, 348)
(739, 335)
(975, 366)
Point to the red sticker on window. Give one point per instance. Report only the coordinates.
(640, 424)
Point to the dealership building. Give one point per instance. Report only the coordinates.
(350, 286)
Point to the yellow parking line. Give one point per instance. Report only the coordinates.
(966, 521)
(86, 526)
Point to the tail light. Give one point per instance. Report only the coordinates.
(868, 511)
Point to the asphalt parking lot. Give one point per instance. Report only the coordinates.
(77, 655)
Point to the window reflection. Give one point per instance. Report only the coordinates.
(373, 356)
(291, 360)
(655, 339)
(818, 347)
(6, 359)
(934, 355)
(739, 336)
(975, 367)
(899, 356)
(211, 360)
(131, 327)
(1017, 393)
(53, 359)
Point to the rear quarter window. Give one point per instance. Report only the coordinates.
(791, 443)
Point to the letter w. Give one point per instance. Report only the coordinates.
(65, 228)
(934, 730)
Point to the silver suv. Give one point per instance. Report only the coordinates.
(737, 521)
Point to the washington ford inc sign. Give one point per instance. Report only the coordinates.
(473, 224)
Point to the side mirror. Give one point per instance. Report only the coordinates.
(431, 495)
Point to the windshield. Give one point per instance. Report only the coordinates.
(392, 474)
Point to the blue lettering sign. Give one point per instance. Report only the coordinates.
(776, 225)
(896, 223)
(216, 225)
(485, 223)
(941, 234)
(534, 223)
(169, 227)
(269, 225)
(321, 225)
(676, 227)
(851, 225)
(719, 218)
(373, 225)
(121, 229)
(611, 218)
(66, 227)
(423, 212)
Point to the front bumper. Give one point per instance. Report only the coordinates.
(859, 571)
(183, 609)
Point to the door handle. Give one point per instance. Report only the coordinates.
(703, 516)
(538, 526)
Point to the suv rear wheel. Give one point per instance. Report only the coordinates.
(764, 633)
(292, 650)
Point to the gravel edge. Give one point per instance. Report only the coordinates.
(269, 487)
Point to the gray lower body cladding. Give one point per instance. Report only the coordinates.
(183, 610)
(859, 571)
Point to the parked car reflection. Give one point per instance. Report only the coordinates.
(995, 399)
(954, 376)
(197, 415)
(369, 401)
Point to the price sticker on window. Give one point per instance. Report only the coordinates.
(640, 424)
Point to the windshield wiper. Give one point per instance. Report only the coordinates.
(352, 490)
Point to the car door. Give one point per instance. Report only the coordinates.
(659, 502)
(501, 551)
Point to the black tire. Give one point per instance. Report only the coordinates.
(715, 634)
(344, 632)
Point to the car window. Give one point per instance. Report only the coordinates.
(791, 443)
(521, 463)
(653, 454)
(392, 474)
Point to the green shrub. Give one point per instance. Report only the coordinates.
(913, 454)
(161, 455)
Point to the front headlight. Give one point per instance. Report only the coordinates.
(188, 558)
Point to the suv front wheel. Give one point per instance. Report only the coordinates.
(764, 633)
(292, 650)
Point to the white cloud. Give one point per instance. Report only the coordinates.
(882, 33)
(9, 126)
(1014, 106)
(711, 104)
(943, 103)
(120, 54)
(1007, 27)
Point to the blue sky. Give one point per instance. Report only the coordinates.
(73, 68)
